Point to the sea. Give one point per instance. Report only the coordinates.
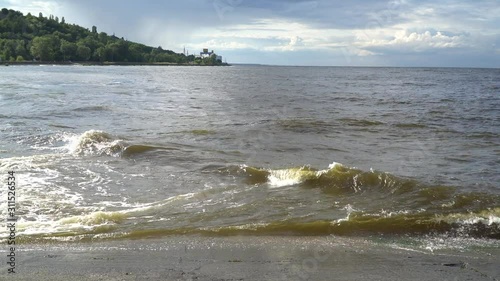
(403, 155)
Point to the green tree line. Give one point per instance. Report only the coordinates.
(52, 39)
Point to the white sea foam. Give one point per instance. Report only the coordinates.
(285, 177)
(294, 176)
(94, 142)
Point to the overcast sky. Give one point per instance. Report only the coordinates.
(296, 32)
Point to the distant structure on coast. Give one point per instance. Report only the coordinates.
(207, 54)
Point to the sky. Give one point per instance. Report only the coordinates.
(448, 33)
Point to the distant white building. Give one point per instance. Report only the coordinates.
(207, 54)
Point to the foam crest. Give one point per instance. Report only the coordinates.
(100, 143)
(337, 178)
(95, 142)
(96, 222)
(43, 194)
(287, 177)
(486, 217)
(95, 219)
(92, 221)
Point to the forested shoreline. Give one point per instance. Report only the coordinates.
(50, 39)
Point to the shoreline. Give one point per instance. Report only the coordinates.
(248, 258)
(103, 63)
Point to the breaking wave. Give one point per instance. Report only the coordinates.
(338, 200)
(100, 143)
(336, 178)
(95, 142)
(388, 204)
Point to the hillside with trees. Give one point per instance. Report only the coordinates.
(50, 39)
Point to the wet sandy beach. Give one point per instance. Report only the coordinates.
(249, 258)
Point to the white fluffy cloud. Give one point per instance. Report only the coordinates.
(279, 35)
(414, 42)
(34, 7)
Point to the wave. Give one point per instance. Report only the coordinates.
(482, 224)
(387, 204)
(73, 228)
(100, 143)
(91, 224)
(201, 132)
(338, 200)
(483, 135)
(92, 142)
(305, 125)
(92, 108)
(336, 177)
(138, 149)
(95, 142)
(61, 126)
(411, 125)
(360, 122)
(485, 224)
(340, 180)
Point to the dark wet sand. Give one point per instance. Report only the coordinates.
(247, 258)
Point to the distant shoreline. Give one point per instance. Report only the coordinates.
(7, 63)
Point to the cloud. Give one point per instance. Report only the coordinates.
(415, 42)
(221, 45)
(280, 35)
(33, 7)
(295, 42)
(354, 32)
